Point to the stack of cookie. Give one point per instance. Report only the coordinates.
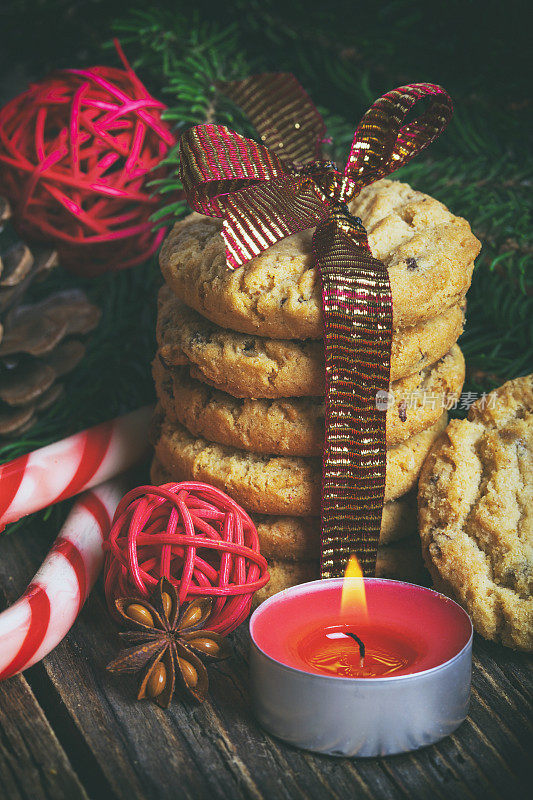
(239, 371)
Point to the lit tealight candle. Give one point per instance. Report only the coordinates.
(384, 670)
(371, 652)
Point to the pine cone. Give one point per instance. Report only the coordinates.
(35, 344)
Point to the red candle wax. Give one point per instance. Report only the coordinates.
(407, 629)
(330, 651)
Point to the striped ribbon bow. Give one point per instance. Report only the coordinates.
(267, 191)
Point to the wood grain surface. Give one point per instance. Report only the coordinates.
(69, 729)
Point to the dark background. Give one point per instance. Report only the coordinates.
(478, 50)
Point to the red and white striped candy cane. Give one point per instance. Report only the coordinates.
(65, 468)
(40, 619)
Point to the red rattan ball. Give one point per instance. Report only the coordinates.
(194, 535)
(76, 153)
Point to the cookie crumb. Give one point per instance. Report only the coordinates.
(199, 338)
(402, 411)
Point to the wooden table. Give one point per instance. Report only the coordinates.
(70, 730)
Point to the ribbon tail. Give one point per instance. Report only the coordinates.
(282, 113)
(357, 306)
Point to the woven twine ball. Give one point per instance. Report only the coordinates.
(194, 535)
(76, 154)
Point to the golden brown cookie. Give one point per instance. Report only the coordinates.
(253, 366)
(476, 513)
(274, 484)
(428, 251)
(298, 538)
(295, 426)
(402, 561)
(283, 575)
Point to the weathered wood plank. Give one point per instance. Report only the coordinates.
(33, 765)
(142, 751)
(218, 751)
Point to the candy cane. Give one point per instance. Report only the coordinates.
(39, 620)
(63, 469)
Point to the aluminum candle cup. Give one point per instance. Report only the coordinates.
(417, 668)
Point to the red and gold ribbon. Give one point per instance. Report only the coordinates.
(266, 191)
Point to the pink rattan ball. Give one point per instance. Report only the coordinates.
(77, 150)
(194, 535)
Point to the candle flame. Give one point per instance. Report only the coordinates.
(353, 598)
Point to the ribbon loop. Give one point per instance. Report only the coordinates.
(382, 145)
(216, 162)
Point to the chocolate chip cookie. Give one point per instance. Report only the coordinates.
(428, 251)
(295, 426)
(254, 366)
(298, 538)
(476, 513)
(274, 484)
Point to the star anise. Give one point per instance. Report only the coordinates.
(167, 643)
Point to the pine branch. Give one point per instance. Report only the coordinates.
(185, 60)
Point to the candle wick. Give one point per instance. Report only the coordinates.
(361, 646)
